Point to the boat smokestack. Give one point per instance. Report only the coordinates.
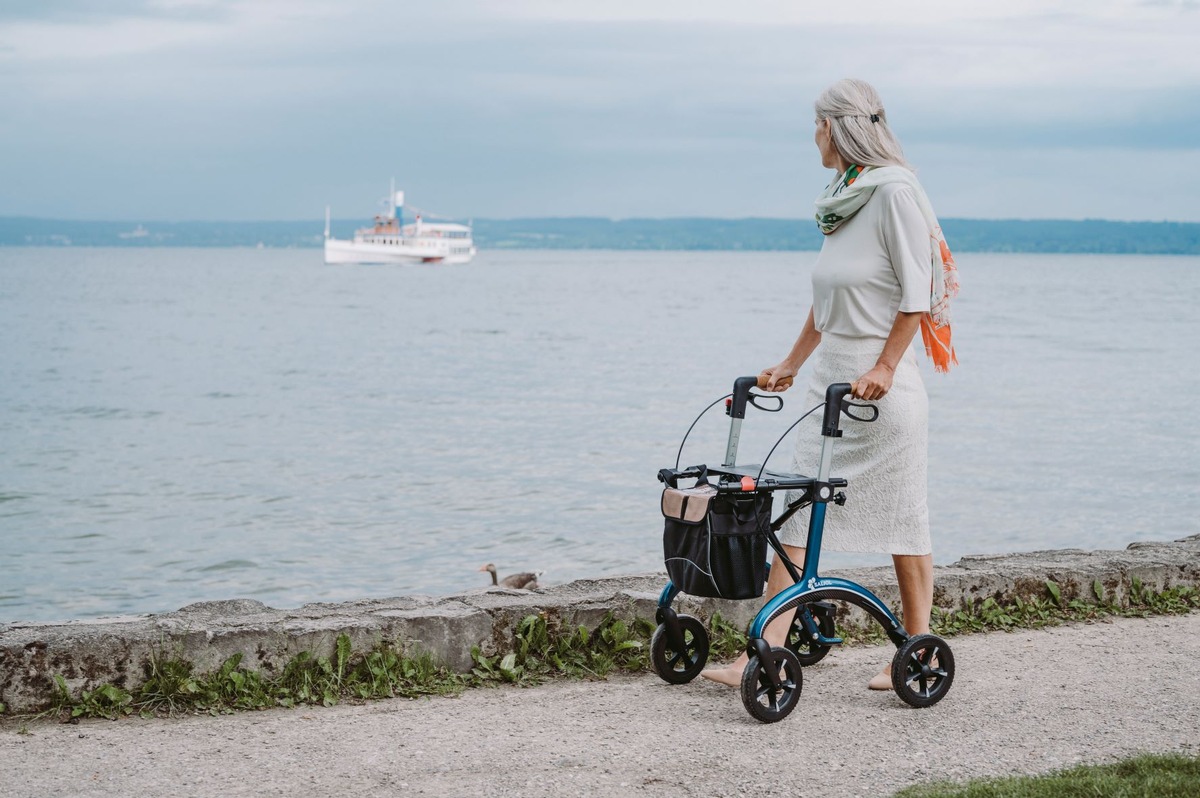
(398, 200)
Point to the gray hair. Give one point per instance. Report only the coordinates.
(849, 105)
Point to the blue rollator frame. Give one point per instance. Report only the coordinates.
(923, 667)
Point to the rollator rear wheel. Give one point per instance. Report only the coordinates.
(680, 667)
(806, 651)
(761, 700)
(923, 670)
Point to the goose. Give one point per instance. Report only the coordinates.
(525, 581)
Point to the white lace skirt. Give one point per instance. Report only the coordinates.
(884, 462)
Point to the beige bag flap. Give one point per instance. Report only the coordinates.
(688, 505)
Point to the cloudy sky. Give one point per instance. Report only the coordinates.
(257, 109)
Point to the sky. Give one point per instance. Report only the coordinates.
(171, 110)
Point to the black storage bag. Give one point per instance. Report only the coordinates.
(724, 554)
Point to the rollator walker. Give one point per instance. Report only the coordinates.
(923, 667)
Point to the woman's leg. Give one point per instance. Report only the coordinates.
(914, 575)
(776, 632)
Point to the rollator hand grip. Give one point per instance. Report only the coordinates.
(782, 384)
(836, 403)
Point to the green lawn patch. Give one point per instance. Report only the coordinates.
(1146, 776)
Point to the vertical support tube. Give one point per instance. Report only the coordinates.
(735, 433)
(816, 518)
(812, 552)
(826, 460)
(737, 412)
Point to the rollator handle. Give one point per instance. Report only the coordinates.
(834, 395)
(741, 392)
(836, 403)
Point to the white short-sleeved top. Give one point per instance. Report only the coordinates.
(873, 265)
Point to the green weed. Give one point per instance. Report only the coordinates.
(105, 701)
(724, 639)
(388, 672)
(542, 648)
(232, 687)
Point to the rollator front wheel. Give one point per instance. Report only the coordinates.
(680, 667)
(923, 670)
(762, 700)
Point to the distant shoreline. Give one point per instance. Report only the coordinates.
(1047, 236)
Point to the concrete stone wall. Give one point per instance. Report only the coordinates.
(114, 650)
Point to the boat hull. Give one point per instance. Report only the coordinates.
(341, 251)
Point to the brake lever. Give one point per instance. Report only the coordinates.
(847, 404)
(775, 409)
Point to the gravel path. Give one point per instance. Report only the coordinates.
(1023, 702)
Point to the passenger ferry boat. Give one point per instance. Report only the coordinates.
(390, 241)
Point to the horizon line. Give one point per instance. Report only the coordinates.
(321, 220)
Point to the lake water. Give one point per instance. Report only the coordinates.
(185, 425)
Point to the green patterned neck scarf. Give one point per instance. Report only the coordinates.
(840, 201)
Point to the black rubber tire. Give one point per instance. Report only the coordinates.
(680, 667)
(760, 700)
(923, 670)
(807, 652)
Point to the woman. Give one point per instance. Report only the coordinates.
(883, 272)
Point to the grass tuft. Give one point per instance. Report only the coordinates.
(168, 686)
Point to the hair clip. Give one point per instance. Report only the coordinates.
(874, 117)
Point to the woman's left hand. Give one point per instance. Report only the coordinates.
(874, 384)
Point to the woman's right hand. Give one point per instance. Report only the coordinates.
(777, 379)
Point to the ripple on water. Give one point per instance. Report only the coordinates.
(227, 565)
(119, 413)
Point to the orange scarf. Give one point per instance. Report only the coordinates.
(935, 325)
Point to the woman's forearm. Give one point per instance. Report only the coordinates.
(805, 344)
(779, 377)
(878, 381)
(899, 339)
